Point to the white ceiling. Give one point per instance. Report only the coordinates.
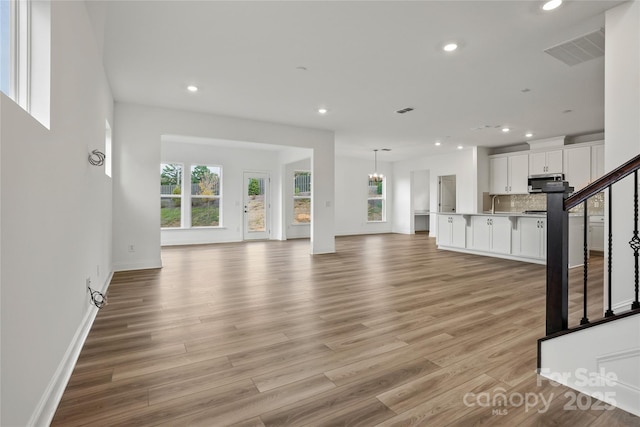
(364, 60)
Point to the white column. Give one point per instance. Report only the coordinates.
(622, 136)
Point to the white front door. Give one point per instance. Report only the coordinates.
(256, 206)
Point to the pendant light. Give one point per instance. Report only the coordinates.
(375, 176)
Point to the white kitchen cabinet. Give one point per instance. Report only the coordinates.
(545, 162)
(508, 174)
(501, 235)
(577, 166)
(519, 174)
(491, 233)
(532, 241)
(499, 175)
(452, 230)
(597, 161)
(596, 233)
(576, 240)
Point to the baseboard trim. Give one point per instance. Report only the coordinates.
(622, 306)
(48, 404)
(493, 254)
(141, 265)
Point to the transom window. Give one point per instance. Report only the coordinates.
(25, 55)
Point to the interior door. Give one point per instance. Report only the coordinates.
(256, 206)
(447, 193)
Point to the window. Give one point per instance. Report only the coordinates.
(107, 149)
(5, 46)
(171, 195)
(376, 200)
(301, 197)
(25, 55)
(205, 196)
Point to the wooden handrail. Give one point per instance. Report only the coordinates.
(602, 183)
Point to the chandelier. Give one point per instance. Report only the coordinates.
(375, 176)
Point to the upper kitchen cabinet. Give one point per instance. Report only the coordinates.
(583, 164)
(545, 162)
(546, 155)
(508, 174)
(577, 166)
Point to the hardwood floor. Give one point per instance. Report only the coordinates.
(387, 331)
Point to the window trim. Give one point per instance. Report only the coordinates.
(382, 197)
(294, 198)
(214, 197)
(172, 196)
(30, 57)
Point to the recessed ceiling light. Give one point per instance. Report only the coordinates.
(323, 110)
(505, 130)
(551, 4)
(460, 147)
(450, 47)
(438, 143)
(528, 134)
(192, 88)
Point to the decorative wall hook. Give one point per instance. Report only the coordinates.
(96, 158)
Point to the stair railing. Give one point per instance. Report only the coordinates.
(559, 202)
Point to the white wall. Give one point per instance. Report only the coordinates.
(622, 134)
(234, 163)
(420, 188)
(481, 162)
(351, 196)
(137, 136)
(616, 355)
(459, 163)
(56, 223)
(420, 191)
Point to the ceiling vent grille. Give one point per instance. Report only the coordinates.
(579, 50)
(404, 110)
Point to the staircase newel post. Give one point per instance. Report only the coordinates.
(557, 256)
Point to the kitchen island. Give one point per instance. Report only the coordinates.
(510, 235)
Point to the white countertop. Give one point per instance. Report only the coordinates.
(506, 214)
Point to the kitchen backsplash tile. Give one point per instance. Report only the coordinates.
(538, 201)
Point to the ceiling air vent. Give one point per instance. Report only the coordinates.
(404, 110)
(579, 50)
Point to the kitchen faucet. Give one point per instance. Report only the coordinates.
(493, 203)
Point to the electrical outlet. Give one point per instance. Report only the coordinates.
(132, 248)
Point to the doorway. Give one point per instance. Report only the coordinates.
(256, 206)
(447, 193)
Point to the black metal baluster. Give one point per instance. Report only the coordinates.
(635, 241)
(585, 267)
(609, 311)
